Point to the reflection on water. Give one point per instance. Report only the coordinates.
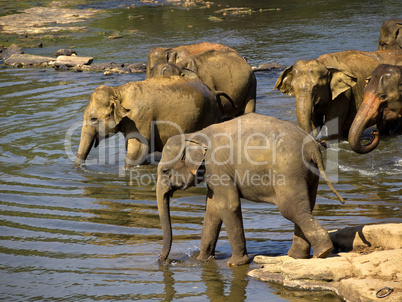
(94, 234)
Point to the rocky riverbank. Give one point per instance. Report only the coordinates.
(67, 59)
(365, 267)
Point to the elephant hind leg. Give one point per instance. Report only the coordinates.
(297, 208)
(300, 248)
(250, 106)
(251, 98)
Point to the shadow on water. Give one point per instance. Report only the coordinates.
(68, 235)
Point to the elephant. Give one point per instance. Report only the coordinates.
(391, 35)
(330, 88)
(256, 157)
(147, 113)
(177, 54)
(223, 71)
(382, 105)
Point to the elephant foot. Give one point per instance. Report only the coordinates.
(237, 261)
(323, 252)
(205, 258)
(300, 248)
(299, 253)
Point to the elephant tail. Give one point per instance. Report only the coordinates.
(318, 161)
(218, 95)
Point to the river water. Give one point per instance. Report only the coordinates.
(73, 235)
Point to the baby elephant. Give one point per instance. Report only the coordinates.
(147, 113)
(256, 157)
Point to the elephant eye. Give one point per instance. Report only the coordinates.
(383, 97)
(94, 120)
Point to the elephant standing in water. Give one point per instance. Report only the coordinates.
(223, 71)
(382, 105)
(256, 157)
(147, 113)
(391, 35)
(175, 55)
(332, 87)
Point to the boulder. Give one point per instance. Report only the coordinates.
(65, 52)
(371, 269)
(11, 50)
(71, 61)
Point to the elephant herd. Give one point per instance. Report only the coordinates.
(197, 106)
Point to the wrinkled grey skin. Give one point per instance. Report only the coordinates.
(221, 71)
(256, 157)
(142, 111)
(177, 54)
(330, 88)
(382, 105)
(391, 35)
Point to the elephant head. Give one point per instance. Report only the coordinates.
(159, 55)
(314, 85)
(100, 120)
(177, 170)
(382, 105)
(186, 68)
(391, 35)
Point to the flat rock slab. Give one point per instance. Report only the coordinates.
(39, 20)
(354, 276)
(28, 60)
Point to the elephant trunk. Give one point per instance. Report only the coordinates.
(88, 138)
(304, 112)
(365, 117)
(163, 200)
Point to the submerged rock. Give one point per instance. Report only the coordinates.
(370, 270)
(267, 67)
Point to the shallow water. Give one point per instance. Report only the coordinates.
(71, 235)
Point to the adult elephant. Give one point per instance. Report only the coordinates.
(175, 55)
(331, 87)
(391, 35)
(256, 157)
(382, 105)
(222, 71)
(147, 113)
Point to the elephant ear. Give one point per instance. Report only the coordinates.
(171, 55)
(398, 35)
(341, 81)
(193, 155)
(284, 81)
(119, 112)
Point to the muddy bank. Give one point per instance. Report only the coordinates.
(367, 269)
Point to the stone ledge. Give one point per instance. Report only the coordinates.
(373, 263)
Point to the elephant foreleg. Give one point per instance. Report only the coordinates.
(337, 116)
(137, 152)
(228, 205)
(210, 230)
